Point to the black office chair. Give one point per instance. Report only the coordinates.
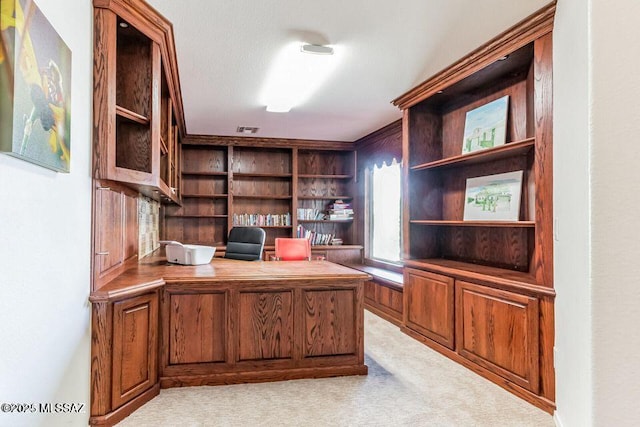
(245, 243)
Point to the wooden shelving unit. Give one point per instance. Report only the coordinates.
(220, 180)
(481, 292)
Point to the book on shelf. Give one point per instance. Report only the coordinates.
(339, 210)
(262, 220)
(310, 214)
(315, 237)
(339, 205)
(339, 217)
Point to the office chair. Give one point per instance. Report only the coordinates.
(245, 243)
(289, 249)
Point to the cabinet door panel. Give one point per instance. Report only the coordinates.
(135, 347)
(131, 226)
(329, 322)
(265, 325)
(197, 328)
(109, 229)
(499, 331)
(390, 298)
(429, 309)
(370, 291)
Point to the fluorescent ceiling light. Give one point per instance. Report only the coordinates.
(297, 72)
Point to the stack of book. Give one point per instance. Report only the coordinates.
(339, 211)
(305, 213)
(262, 220)
(315, 237)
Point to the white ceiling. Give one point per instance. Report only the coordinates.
(225, 49)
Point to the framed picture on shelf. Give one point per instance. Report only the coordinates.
(493, 197)
(486, 126)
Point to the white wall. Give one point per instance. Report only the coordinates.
(571, 209)
(597, 92)
(45, 222)
(615, 186)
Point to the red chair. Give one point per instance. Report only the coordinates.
(289, 249)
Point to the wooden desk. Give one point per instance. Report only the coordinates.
(160, 325)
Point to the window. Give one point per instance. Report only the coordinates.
(385, 217)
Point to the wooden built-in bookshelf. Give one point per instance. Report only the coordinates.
(481, 292)
(222, 177)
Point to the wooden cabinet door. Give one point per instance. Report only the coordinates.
(329, 322)
(265, 325)
(370, 291)
(109, 231)
(390, 299)
(429, 305)
(197, 328)
(499, 330)
(135, 347)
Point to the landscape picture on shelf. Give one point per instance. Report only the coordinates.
(486, 126)
(493, 197)
(35, 82)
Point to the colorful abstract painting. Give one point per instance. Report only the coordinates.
(486, 126)
(35, 82)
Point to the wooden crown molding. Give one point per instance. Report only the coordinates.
(524, 32)
(387, 131)
(241, 141)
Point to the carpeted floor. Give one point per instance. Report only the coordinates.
(408, 385)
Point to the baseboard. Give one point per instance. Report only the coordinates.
(114, 417)
(383, 314)
(262, 376)
(557, 420)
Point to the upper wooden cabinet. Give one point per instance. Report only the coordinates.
(137, 104)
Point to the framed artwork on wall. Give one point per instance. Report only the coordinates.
(486, 126)
(35, 83)
(493, 197)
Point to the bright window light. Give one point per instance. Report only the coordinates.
(295, 76)
(385, 213)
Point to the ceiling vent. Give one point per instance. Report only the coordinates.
(246, 129)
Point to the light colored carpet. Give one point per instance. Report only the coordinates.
(408, 385)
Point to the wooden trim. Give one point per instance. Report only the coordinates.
(267, 142)
(543, 168)
(384, 132)
(262, 376)
(113, 418)
(101, 344)
(526, 31)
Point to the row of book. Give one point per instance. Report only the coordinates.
(307, 214)
(315, 237)
(339, 210)
(259, 220)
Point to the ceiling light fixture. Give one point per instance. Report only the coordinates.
(297, 72)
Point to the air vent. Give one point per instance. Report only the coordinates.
(246, 129)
